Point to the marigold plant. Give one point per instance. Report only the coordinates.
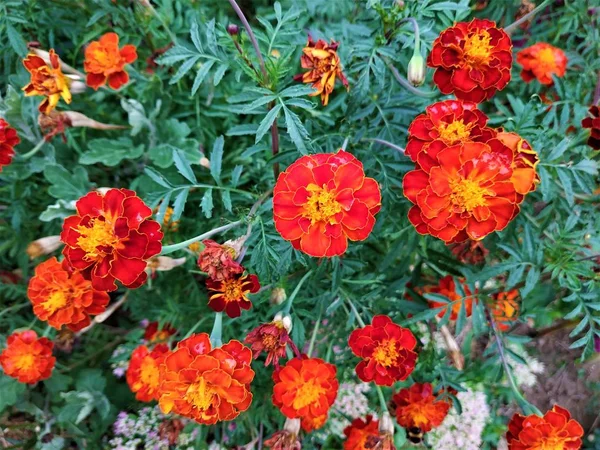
(105, 62)
(27, 358)
(541, 61)
(48, 80)
(418, 407)
(143, 372)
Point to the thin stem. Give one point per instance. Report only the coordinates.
(382, 402)
(194, 328)
(314, 337)
(290, 300)
(34, 150)
(386, 143)
(216, 338)
(526, 17)
(597, 91)
(355, 311)
(275, 146)
(416, 31)
(405, 84)
(162, 22)
(47, 331)
(240, 14)
(174, 247)
(15, 306)
(345, 144)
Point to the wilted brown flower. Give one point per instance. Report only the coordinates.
(43, 246)
(271, 338)
(469, 252)
(525, 8)
(217, 261)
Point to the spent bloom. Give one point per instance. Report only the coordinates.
(286, 439)
(541, 61)
(8, 140)
(104, 61)
(505, 308)
(47, 80)
(43, 246)
(111, 238)
(218, 261)
(143, 372)
(154, 334)
(231, 294)
(593, 123)
(386, 349)
(272, 338)
(360, 433)
(418, 407)
(447, 288)
(27, 358)
(470, 252)
(323, 64)
(322, 200)
(472, 60)
(62, 296)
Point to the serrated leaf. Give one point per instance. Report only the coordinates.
(211, 37)
(207, 203)
(235, 175)
(157, 177)
(179, 204)
(219, 73)
(67, 186)
(299, 90)
(174, 55)
(226, 197)
(183, 166)
(266, 123)
(201, 75)
(184, 68)
(216, 159)
(296, 130)
(164, 204)
(195, 36)
(16, 40)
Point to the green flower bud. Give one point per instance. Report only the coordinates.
(416, 70)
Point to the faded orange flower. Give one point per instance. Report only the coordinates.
(418, 407)
(27, 358)
(541, 61)
(47, 80)
(143, 372)
(104, 61)
(505, 308)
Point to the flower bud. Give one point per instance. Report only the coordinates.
(292, 425)
(278, 296)
(386, 424)
(205, 162)
(416, 70)
(164, 263)
(285, 320)
(43, 246)
(233, 29)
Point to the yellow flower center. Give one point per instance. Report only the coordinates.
(454, 132)
(200, 395)
(386, 353)
(149, 372)
(232, 290)
(467, 194)
(546, 60)
(478, 49)
(550, 443)
(25, 361)
(56, 301)
(270, 342)
(307, 394)
(95, 239)
(321, 205)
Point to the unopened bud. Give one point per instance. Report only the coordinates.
(386, 425)
(416, 70)
(236, 245)
(43, 246)
(286, 321)
(233, 29)
(205, 162)
(103, 190)
(292, 425)
(278, 296)
(275, 53)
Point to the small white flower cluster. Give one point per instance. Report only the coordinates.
(120, 361)
(462, 431)
(351, 402)
(525, 374)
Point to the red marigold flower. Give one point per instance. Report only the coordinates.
(324, 66)
(418, 407)
(47, 80)
(8, 139)
(524, 175)
(305, 388)
(555, 429)
(470, 252)
(467, 194)
(472, 60)
(105, 61)
(143, 372)
(541, 61)
(386, 350)
(447, 288)
(360, 432)
(505, 308)
(27, 358)
(312, 423)
(271, 338)
(444, 124)
(231, 294)
(323, 200)
(111, 238)
(62, 296)
(206, 384)
(152, 334)
(218, 261)
(593, 123)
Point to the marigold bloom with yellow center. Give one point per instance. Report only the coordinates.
(386, 350)
(218, 261)
(104, 61)
(62, 296)
(310, 423)
(8, 139)
(143, 372)
(447, 288)
(524, 175)
(153, 334)
(554, 431)
(505, 308)
(593, 123)
(444, 124)
(111, 238)
(472, 60)
(322, 200)
(418, 407)
(47, 80)
(305, 388)
(231, 294)
(27, 358)
(360, 433)
(541, 61)
(324, 66)
(205, 384)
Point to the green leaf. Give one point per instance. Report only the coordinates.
(267, 121)
(201, 75)
(235, 175)
(162, 155)
(184, 68)
(179, 204)
(11, 391)
(90, 380)
(175, 54)
(301, 90)
(207, 203)
(183, 166)
(226, 197)
(216, 159)
(195, 35)
(110, 152)
(157, 177)
(296, 130)
(58, 382)
(67, 186)
(16, 40)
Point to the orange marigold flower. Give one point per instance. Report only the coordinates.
(311, 423)
(418, 407)
(447, 288)
(467, 194)
(218, 261)
(444, 124)
(386, 350)
(505, 308)
(8, 139)
(47, 80)
(143, 372)
(524, 176)
(472, 60)
(555, 430)
(470, 252)
(231, 294)
(324, 66)
(152, 334)
(105, 61)
(593, 123)
(360, 432)
(305, 388)
(27, 358)
(271, 338)
(322, 200)
(111, 238)
(62, 296)
(206, 384)
(541, 61)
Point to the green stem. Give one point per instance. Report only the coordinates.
(163, 23)
(355, 311)
(15, 306)
(174, 247)
(526, 17)
(194, 328)
(216, 338)
(34, 150)
(47, 331)
(290, 300)
(386, 143)
(405, 84)
(382, 402)
(313, 338)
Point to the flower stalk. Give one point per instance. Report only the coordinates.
(216, 335)
(174, 247)
(290, 300)
(510, 28)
